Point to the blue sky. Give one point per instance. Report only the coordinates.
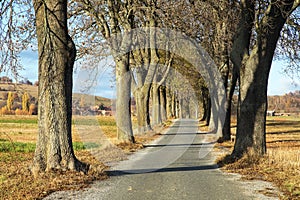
(100, 84)
(279, 82)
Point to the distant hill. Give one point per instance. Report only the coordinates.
(90, 99)
(17, 88)
(32, 90)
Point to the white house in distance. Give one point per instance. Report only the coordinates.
(271, 113)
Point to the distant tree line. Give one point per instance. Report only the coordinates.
(25, 81)
(288, 103)
(281, 104)
(5, 79)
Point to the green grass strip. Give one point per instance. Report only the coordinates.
(19, 121)
(8, 146)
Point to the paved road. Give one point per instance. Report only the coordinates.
(178, 166)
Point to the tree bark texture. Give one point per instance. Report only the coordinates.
(163, 102)
(123, 101)
(227, 122)
(142, 106)
(169, 104)
(56, 59)
(156, 114)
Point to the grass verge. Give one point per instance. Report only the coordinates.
(17, 182)
(27, 147)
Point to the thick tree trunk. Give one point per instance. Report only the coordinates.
(254, 75)
(223, 63)
(54, 148)
(251, 132)
(123, 101)
(142, 106)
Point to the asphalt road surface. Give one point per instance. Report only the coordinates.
(180, 165)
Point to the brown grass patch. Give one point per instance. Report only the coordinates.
(17, 182)
(281, 165)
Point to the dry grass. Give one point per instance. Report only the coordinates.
(281, 165)
(16, 180)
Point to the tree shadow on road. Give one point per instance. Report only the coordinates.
(180, 145)
(162, 170)
(186, 133)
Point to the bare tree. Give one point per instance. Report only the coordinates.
(261, 21)
(214, 32)
(16, 34)
(147, 60)
(288, 48)
(56, 59)
(113, 21)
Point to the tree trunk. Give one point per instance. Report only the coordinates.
(254, 74)
(227, 122)
(208, 110)
(202, 109)
(212, 126)
(169, 104)
(116, 27)
(156, 115)
(177, 107)
(253, 104)
(142, 106)
(174, 105)
(205, 100)
(163, 103)
(123, 101)
(57, 51)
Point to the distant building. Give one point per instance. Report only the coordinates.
(5, 79)
(271, 113)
